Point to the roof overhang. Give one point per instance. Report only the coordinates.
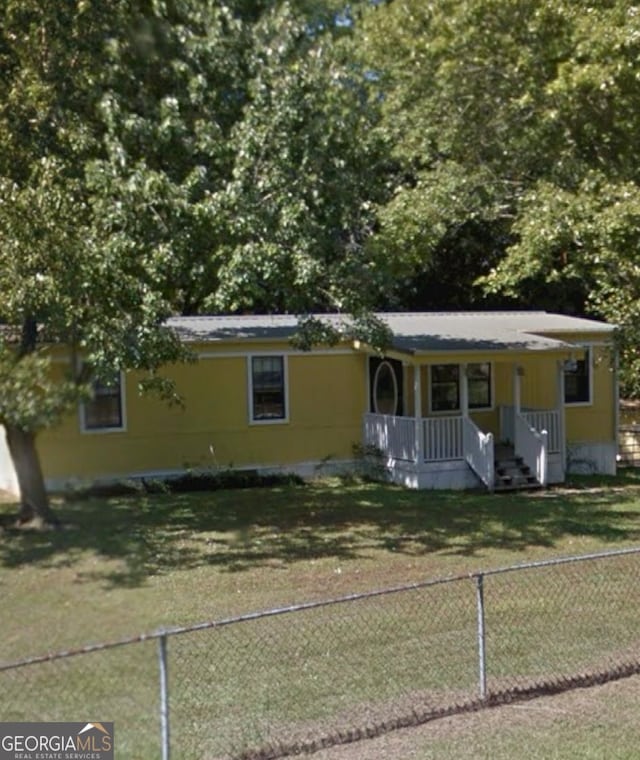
(508, 354)
(418, 335)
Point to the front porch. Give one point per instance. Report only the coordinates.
(453, 452)
(503, 447)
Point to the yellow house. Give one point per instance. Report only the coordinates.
(460, 399)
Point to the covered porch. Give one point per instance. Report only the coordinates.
(498, 437)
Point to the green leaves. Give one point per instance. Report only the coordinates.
(515, 123)
(299, 203)
(29, 400)
(364, 327)
(179, 156)
(76, 258)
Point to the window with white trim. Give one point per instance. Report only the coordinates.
(105, 409)
(577, 380)
(268, 389)
(479, 385)
(445, 394)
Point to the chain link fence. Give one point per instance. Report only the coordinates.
(296, 679)
(629, 445)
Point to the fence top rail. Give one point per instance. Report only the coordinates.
(162, 633)
(557, 561)
(222, 622)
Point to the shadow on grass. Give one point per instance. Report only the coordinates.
(237, 530)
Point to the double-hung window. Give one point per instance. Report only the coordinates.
(104, 411)
(577, 380)
(268, 389)
(445, 386)
(479, 385)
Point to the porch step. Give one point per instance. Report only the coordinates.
(512, 474)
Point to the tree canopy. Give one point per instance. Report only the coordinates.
(299, 204)
(516, 124)
(162, 156)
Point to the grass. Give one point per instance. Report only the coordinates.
(129, 564)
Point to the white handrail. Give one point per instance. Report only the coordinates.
(545, 419)
(538, 419)
(479, 452)
(533, 447)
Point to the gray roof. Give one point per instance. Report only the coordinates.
(488, 331)
(251, 327)
(415, 332)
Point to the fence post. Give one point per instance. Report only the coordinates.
(164, 696)
(482, 665)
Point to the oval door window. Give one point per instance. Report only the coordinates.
(385, 389)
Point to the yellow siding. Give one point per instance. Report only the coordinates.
(539, 383)
(539, 390)
(584, 422)
(326, 397)
(596, 422)
(503, 383)
(488, 422)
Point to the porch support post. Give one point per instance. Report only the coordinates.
(464, 391)
(405, 389)
(516, 389)
(562, 432)
(417, 411)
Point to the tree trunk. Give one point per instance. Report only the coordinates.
(35, 501)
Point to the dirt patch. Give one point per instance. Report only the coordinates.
(476, 735)
(572, 490)
(416, 714)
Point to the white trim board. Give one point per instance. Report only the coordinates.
(274, 352)
(122, 428)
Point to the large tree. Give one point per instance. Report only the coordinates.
(70, 272)
(300, 204)
(515, 123)
(167, 156)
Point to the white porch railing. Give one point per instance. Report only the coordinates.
(533, 447)
(546, 419)
(442, 438)
(394, 436)
(458, 438)
(478, 451)
(538, 419)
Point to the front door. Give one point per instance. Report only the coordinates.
(385, 386)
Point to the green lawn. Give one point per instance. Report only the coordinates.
(122, 566)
